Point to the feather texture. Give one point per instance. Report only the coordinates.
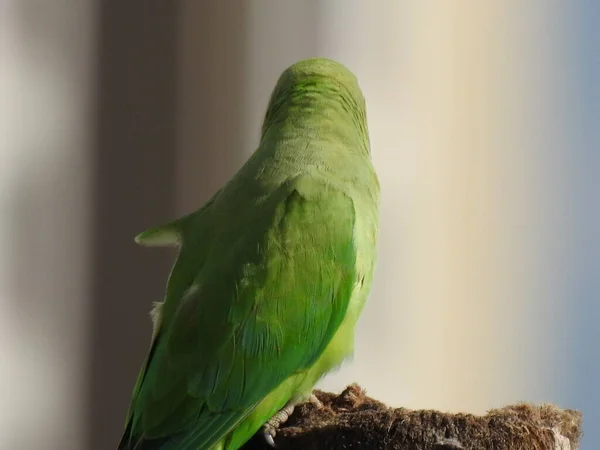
(271, 275)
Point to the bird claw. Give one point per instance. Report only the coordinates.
(315, 401)
(269, 429)
(268, 437)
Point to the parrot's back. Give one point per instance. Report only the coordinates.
(271, 277)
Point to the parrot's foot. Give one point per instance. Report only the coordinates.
(315, 401)
(269, 429)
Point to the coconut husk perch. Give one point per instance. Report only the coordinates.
(352, 420)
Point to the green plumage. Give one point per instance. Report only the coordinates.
(271, 276)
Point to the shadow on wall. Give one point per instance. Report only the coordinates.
(138, 166)
(134, 187)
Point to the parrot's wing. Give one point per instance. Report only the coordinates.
(162, 236)
(266, 306)
(169, 234)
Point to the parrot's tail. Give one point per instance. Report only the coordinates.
(126, 441)
(130, 443)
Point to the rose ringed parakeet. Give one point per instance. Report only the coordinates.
(271, 276)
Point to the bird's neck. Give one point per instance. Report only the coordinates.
(319, 132)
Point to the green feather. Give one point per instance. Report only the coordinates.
(163, 236)
(271, 275)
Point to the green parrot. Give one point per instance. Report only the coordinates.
(271, 276)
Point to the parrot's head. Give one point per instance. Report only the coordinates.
(313, 84)
(319, 71)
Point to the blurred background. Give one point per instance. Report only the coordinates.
(484, 121)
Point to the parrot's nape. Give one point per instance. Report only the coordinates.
(271, 276)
